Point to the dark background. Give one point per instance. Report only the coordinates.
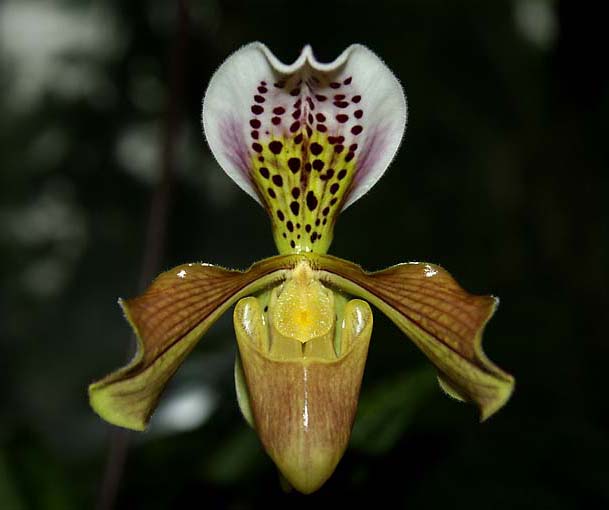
(502, 179)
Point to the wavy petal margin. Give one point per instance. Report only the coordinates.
(423, 300)
(306, 140)
(442, 319)
(168, 321)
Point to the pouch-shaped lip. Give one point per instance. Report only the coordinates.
(303, 410)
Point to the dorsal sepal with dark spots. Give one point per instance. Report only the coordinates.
(303, 163)
(307, 139)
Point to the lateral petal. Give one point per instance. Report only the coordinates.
(442, 319)
(168, 320)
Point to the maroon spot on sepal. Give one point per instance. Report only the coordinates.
(311, 201)
(275, 147)
(316, 149)
(294, 164)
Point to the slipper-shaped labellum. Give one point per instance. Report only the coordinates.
(305, 140)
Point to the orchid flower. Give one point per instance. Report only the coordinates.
(305, 141)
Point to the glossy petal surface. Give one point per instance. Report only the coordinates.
(442, 319)
(168, 320)
(302, 402)
(306, 140)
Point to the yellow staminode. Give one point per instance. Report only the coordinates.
(303, 309)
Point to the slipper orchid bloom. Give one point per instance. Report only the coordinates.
(305, 141)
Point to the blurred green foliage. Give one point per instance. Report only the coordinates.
(502, 179)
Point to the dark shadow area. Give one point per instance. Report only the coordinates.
(502, 178)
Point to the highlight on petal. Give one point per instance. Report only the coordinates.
(305, 140)
(443, 320)
(168, 320)
(297, 387)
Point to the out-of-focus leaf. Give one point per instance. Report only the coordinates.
(9, 494)
(236, 457)
(387, 410)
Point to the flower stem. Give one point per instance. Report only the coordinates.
(156, 234)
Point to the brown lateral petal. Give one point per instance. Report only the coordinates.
(168, 320)
(442, 319)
